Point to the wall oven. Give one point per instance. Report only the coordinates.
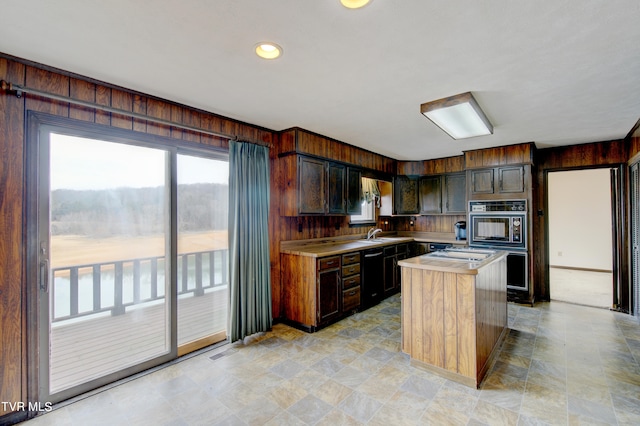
(498, 224)
(502, 225)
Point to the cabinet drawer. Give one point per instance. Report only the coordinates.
(351, 282)
(351, 299)
(350, 270)
(349, 258)
(390, 251)
(329, 263)
(401, 248)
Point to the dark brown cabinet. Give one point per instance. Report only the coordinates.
(316, 187)
(312, 176)
(392, 255)
(350, 282)
(405, 195)
(455, 193)
(443, 194)
(497, 180)
(354, 191)
(431, 195)
(336, 194)
(329, 289)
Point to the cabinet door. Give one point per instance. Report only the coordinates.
(389, 274)
(354, 191)
(455, 193)
(337, 189)
(329, 295)
(430, 195)
(405, 195)
(398, 270)
(312, 187)
(482, 181)
(511, 179)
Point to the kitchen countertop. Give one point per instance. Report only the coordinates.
(456, 265)
(321, 247)
(330, 248)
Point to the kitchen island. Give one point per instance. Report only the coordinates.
(454, 311)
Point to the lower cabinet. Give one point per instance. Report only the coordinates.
(392, 278)
(350, 282)
(329, 289)
(318, 291)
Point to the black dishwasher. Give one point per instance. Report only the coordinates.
(372, 286)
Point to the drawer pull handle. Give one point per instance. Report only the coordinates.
(352, 293)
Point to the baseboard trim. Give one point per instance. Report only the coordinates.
(581, 269)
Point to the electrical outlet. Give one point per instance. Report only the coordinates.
(559, 254)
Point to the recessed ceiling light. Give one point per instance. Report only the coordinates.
(268, 50)
(354, 4)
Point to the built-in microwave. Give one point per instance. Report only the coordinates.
(498, 223)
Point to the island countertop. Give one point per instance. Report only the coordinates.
(456, 263)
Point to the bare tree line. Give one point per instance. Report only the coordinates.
(133, 212)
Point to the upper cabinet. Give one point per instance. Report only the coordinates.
(312, 187)
(313, 200)
(336, 195)
(445, 194)
(431, 195)
(497, 180)
(354, 190)
(501, 172)
(454, 195)
(405, 195)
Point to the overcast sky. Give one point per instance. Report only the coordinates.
(80, 163)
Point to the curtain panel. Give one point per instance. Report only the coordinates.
(370, 191)
(249, 262)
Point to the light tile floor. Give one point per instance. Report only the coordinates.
(560, 364)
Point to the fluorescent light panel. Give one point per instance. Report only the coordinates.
(459, 116)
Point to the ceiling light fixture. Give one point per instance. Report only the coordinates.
(460, 116)
(354, 4)
(268, 50)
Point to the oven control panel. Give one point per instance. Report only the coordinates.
(516, 229)
(495, 206)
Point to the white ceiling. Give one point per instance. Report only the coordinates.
(546, 71)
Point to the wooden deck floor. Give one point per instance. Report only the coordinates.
(91, 348)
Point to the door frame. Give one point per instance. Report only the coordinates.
(37, 122)
(619, 219)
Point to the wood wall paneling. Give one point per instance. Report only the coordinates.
(47, 81)
(12, 287)
(103, 97)
(123, 101)
(499, 156)
(84, 91)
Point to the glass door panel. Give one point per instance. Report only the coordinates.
(203, 193)
(106, 234)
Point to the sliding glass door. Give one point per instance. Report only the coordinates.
(203, 194)
(130, 249)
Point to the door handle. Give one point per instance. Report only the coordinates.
(44, 275)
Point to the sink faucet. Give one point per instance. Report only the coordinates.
(372, 233)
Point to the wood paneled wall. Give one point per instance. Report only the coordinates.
(431, 167)
(509, 154)
(13, 285)
(304, 142)
(599, 154)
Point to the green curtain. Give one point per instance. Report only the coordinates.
(249, 262)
